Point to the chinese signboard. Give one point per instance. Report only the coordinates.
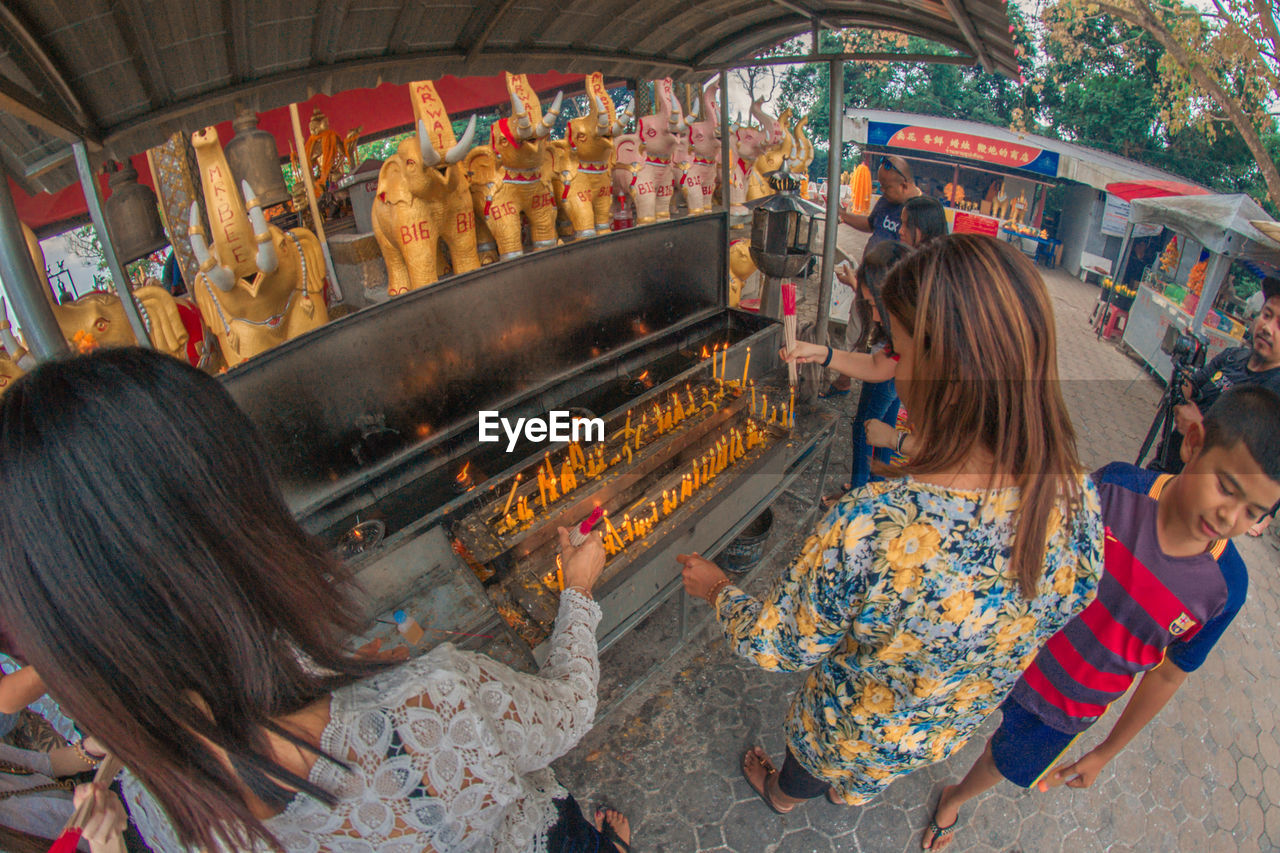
(997, 152)
(973, 223)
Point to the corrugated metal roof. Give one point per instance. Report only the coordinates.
(126, 73)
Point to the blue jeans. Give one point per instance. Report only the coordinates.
(876, 401)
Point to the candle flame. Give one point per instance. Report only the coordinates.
(463, 476)
(423, 430)
(705, 354)
(644, 376)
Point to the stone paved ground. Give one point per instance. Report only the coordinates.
(1204, 776)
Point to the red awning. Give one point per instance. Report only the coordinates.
(372, 110)
(1129, 190)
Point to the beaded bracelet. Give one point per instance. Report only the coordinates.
(84, 755)
(714, 592)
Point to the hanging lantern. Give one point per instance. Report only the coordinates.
(253, 157)
(782, 235)
(133, 217)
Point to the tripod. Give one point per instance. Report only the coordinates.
(1163, 423)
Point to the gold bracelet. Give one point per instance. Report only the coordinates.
(715, 590)
(84, 755)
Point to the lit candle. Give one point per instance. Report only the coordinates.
(764, 405)
(654, 506)
(692, 405)
(542, 486)
(724, 362)
(676, 407)
(745, 366)
(627, 429)
(512, 495)
(639, 433)
(791, 408)
(753, 396)
(686, 488)
(697, 482)
(552, 494)
(567, 481)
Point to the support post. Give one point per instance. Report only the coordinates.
(27, 293)
(93, 200)
(305, 167)
(836, 136)
(724, 173)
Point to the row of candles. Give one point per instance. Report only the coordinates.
(730, 447)
(520, 510)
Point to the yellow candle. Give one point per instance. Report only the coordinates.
(745, 366)
(654, 506)
(512, 495)
(639, 432)
(724, 362)
(764, 405)
(753, 396)
(791, 408)
(542, 487)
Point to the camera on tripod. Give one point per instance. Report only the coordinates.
(1188, 351)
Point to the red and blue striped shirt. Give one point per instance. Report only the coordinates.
(1148, 606)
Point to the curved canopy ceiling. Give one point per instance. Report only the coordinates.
(124, 74)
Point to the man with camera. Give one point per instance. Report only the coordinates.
(1255, 364)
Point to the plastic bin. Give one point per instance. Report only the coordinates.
(744, 553)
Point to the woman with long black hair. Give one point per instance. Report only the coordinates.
(157, 581)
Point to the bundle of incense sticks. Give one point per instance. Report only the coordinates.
(74, 829)
(789, 324)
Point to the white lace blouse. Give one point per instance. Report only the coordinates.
(448, 752)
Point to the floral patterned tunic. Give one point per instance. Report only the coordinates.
(903, 605)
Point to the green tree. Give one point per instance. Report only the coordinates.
(1218, 69)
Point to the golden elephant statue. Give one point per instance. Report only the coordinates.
(644, 168)
(98, 318)
(514, 176)
(582, 162)
(423, 202)
(802, 153)
(498, 202)
(258, 286)
(741, 268)
(777, 157)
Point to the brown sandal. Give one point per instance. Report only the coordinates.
(769, 771)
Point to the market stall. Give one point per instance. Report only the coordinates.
(1219, 225)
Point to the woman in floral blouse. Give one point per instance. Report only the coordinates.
(917, 602)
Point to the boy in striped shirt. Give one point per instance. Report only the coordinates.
(1172, 584)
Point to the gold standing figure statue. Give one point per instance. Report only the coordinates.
(258, 286)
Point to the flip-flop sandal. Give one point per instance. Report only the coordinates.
(610, 834)
(939, 832)
(832, 392)
(769, 770)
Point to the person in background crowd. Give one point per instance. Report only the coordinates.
(923, 219)
(1172, 585)
(158, 582)
(917, 602)
(877, 398)
(1258, 363)
(884, 222)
